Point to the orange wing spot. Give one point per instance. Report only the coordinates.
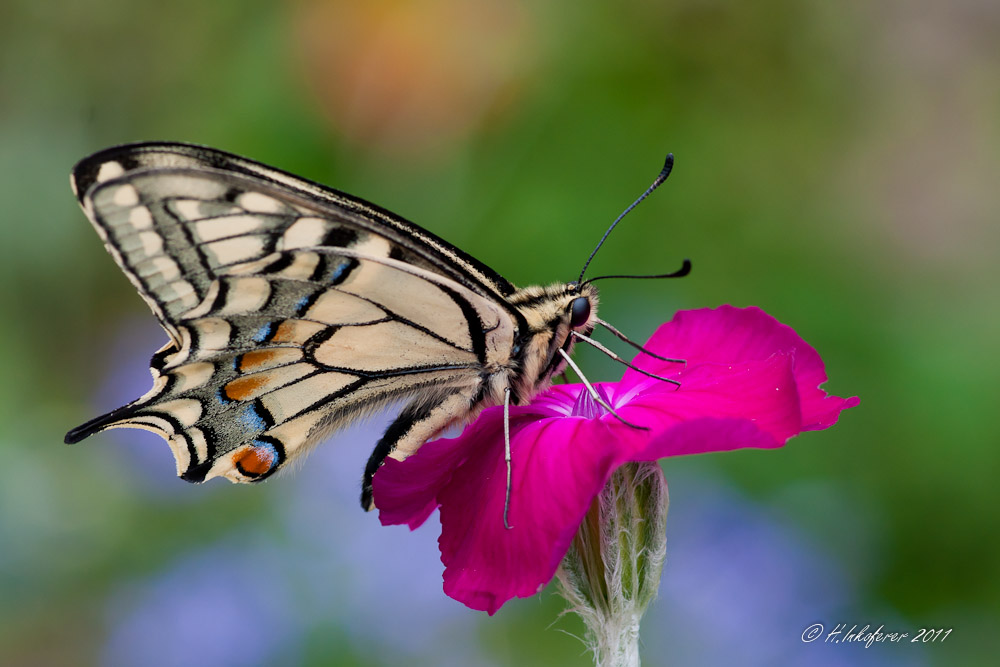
(285, 332)
(254, 460)
(243, 388)
(256, 359)
(295, 331)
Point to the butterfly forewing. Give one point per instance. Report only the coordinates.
(413, 244)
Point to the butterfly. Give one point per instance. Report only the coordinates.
(293, 310)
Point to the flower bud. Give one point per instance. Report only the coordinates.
(612, 570)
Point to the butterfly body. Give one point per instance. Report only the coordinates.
(293, 310)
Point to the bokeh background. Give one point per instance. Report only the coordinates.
(837, 164)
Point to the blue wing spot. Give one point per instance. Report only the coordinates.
(301, 304)
(267, 446)
(221, 397)
(252, 421)
(263, 333)
(343, 270)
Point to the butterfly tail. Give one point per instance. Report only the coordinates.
(98, 424)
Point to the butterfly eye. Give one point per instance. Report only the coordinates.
(581, 312)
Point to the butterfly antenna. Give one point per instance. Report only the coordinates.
(668, 165)
(679, 273)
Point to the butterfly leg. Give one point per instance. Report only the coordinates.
(416, 424)
(506, 452)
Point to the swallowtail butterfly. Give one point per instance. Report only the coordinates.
(293, 309)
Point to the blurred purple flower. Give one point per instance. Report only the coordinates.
(355, 574)
(220, 606)
(749, 381)
(752, 610)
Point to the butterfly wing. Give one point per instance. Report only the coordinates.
(292, 309)
(417, 245)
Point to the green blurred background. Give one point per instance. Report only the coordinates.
(837, 165)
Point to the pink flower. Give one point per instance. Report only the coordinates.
(749, 381)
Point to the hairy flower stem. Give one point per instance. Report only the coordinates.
(612, 570)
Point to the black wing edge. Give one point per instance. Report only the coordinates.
(97, 424)
(84, 176)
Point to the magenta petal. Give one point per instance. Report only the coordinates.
(727, 335)
(406, 491)
(708, 434)
(559, 467)
(723, 335)
(749, 381)
(762, 393)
